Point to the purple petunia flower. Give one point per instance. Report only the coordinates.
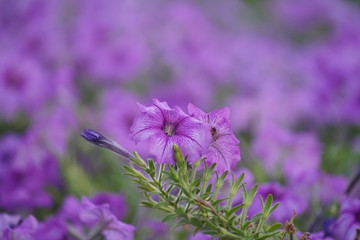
(319, 236)
(116, 203)
(348, 221)
(86, 219)
(200, 236)
(26, 169)
(162, 127)
(223, 149)
(101, 215)
(13, 227)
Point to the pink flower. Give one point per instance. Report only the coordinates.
(223, 149)
(161, 127)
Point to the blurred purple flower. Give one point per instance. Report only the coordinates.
(23, 85)
(296, 155)
(13, 227)
(157, 229)
(115, 201)
(101, 216)
(200, 236)
(349, 220)
(224, 149)
(80, 217)
(26, 170)
(319, 236)
(60, 123)
(336, 90)
(162, 127)
(331, 187)
(116, 121)
(53, 228)
(109, 31)
(289, 201)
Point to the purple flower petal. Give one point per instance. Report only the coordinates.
(161, 127)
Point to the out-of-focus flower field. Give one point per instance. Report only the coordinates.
(289, 71)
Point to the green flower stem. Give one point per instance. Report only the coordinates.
(260, 225)
(244, 213)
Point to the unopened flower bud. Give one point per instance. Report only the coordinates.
(102, 141)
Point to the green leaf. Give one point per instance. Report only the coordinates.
(234, 209)
(211, 168)
(210, 232)
(256, 217)
(151, 164)
(179, 212)
(130, 170)
(246, 225)
(253, 191)
(195, 222)
(274, 227)
(231, 220)
(169, 217)
(268, 235)
(262, 202)
(197, 182)
(239, 180)
(219, 200)
(268, 203)
(180, 223)
(223, 176)
(209, 188)
(273, 208)
(146, 204)
(160, 204)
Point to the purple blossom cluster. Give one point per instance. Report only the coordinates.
(199, 135)
(75, 220)
(289, 71)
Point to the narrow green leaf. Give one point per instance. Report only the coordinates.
(234, 209)
(211, 168)
(262, 202)
(197, 182)
(268, 203)
(195, 222)
(209, 188)
(151, 164)
(256, 217)
(130, 170)
(223, 176)
(169, 217)
(274, 227)
(210, 232)
(273, 208)
(161, 204)
(266, 236)
(146, 204)
(219, 200)
(239, 180)
(253, 191)
(180, 223)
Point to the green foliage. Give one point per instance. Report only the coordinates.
(193, 200)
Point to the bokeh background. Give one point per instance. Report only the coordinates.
(288, 70)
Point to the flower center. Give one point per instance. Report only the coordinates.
(169, 129)
(213, 132)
